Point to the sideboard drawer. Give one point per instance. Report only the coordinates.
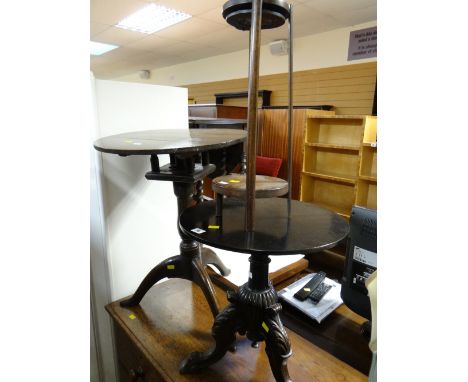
(133, 366)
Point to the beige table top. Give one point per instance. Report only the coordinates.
(234, 185)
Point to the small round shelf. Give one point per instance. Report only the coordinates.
(238, 13)
(234, 185)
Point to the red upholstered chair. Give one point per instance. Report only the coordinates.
(268, 166)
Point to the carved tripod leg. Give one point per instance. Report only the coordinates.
(224, 333)
(201, 278)
(172, 267)
(210, 257)
(278, 347)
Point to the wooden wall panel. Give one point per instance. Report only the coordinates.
(274, 142)
(350, 88)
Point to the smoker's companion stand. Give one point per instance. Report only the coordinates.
(260, 227)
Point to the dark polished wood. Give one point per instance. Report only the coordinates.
(276, 278)
(175, 320)
(202, 121)
(234, 185)
(241, 13)
(184, 147)
(309, 229)
(254, 308)
(255, 39)
(176, 141)
(265, 94)
(254, 312)
(217, 111)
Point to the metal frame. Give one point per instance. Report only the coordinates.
(252, 114)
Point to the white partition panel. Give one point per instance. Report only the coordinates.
(133, 221)
(140, 215)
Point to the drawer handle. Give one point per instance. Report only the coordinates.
(135, 375)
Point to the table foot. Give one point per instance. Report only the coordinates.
(210, 257)
(278, 347)
(224, 333)
(201, 278)
(172, 267)
(252, 313)
(181, 266)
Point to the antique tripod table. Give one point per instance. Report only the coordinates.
(185, 148)
(280, 229)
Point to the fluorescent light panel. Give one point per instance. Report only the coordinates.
(98, 48)
(152, 18)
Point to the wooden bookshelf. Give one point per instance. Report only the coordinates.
(366, 187)
(340, 162)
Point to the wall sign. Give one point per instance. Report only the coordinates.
(362, 44)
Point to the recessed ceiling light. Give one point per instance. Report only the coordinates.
(98, 48)
(152, 18)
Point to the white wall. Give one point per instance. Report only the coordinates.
(140, 215)
(133, 221)
(310, 52)
(103, 370)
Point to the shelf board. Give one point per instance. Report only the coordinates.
(333, 146)
(370, 178)
(331, 176)
(370, 144)
(341, 116)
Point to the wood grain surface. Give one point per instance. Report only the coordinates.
(234, 185)
(174, 319)
(349, 88)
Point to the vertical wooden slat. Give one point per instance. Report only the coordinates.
(273, 144)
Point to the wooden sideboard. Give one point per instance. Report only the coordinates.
(174, 319)
(217, 111)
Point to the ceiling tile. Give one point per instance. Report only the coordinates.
(230, 38)
(177, 48)
(118, 36)
(190, 29)
(358, 16)
(95, 28)
(309, 21)
(117, 55)
(215, 15)
(332, 7)
(152, 42)
(192, 7)
(204, 35)
(112, 11)
(198, 54)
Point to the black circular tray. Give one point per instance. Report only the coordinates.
(238, 13)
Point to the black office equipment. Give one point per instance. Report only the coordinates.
(307, 289)
(318, 293)
(361, 260)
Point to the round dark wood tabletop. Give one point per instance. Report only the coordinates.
(309, 228)
(169, 141)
